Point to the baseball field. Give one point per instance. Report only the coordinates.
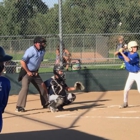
(93, 116)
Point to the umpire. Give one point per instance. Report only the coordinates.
(30, 64)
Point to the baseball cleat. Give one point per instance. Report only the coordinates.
(52, 109)
(124, 105)
(60, 108)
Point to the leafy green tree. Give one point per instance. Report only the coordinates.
(9, 25)
(27, 10)
(32, 17)
(15, 15)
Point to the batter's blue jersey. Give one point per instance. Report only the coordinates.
(133, 64)
(4, 94)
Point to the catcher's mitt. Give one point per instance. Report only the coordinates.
(79, 86)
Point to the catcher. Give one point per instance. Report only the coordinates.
(58, 90)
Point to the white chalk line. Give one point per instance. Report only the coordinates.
(64, 115)
(130, 112)
(112, 106)
(72, 115)
(97, 117)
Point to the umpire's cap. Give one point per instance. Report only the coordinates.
(4, 57)
(39, 39)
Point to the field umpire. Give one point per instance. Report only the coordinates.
(30, 63)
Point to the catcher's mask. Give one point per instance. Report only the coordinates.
(132, 44)
(56, 70)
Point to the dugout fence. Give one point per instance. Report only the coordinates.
(89, 29)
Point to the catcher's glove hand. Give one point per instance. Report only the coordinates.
(79, 86)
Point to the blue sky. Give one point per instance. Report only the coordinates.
(50, 3)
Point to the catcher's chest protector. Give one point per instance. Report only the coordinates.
(58, 87)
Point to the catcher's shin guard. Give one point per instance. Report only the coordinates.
(59, 101)
(55, 103)
(52, 106)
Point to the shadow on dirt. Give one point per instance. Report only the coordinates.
(82, 107)
(59, 134)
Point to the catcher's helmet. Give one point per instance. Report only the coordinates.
(56, 70)
(132, 44)
(4, 57)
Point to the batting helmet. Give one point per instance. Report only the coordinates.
(4, 57)
(132, 44)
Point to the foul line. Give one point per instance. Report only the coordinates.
(98, 117)
(73, 115)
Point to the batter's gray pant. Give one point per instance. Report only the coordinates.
(36, 81)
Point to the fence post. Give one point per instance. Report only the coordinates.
(60, 31)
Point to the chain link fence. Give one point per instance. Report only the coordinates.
(90, 29)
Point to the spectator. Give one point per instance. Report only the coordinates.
(66, 57)
(120, 44)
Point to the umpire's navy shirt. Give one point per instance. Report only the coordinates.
(33, 58)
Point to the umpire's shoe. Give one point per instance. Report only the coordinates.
(19, 109)
(46, 106)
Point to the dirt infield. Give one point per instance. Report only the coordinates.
(93, 116)
(88, 57)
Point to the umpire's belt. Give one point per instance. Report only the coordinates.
(33, 72)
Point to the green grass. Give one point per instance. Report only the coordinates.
(42, 70)
(20, 55)
(90, 67)
(50, 59)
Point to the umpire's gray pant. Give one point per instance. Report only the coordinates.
(36, 81)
